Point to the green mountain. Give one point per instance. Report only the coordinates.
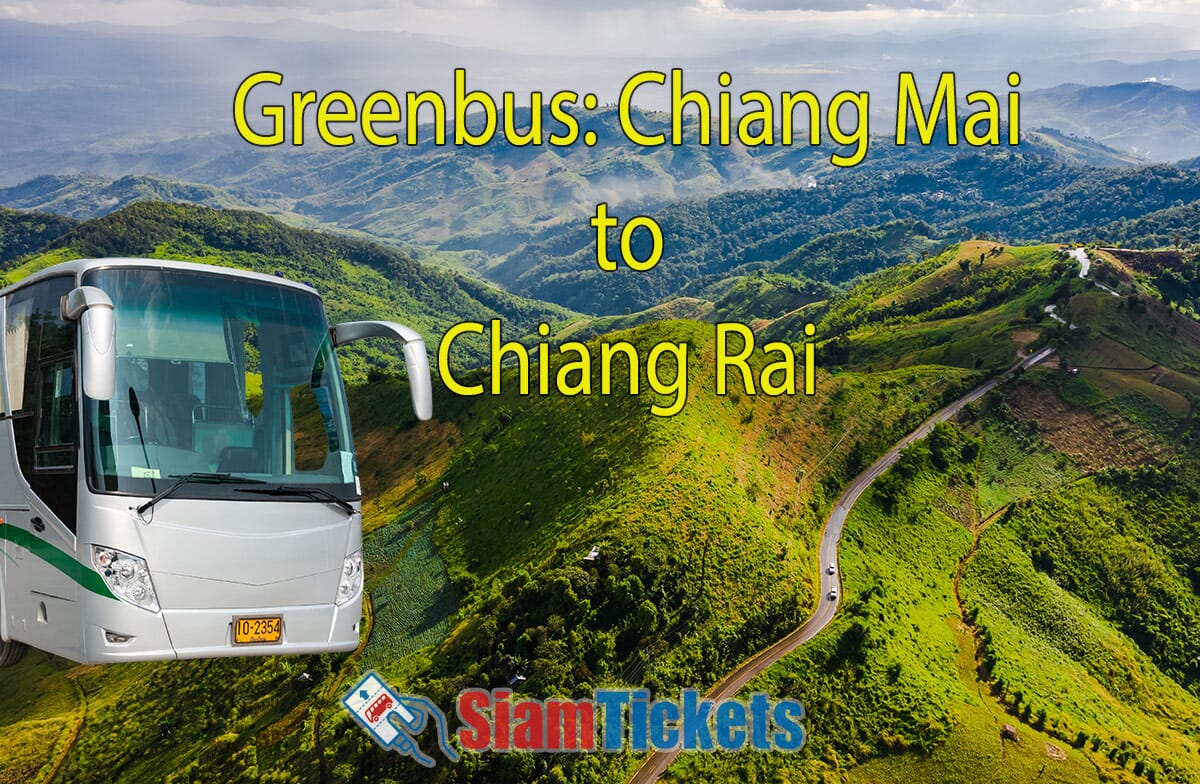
(1015, 196)
(22, 233)
(518, 216)
(842, 256)
(358, 279)
(1175, 225)
(1030, 564)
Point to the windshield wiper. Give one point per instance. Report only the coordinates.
(315, 493)
(200, 477)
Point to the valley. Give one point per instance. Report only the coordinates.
(707, 530)
(641, 479)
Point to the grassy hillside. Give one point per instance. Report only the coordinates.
(687, 583)
(841, 256)
(1004, 572)
(891, 688)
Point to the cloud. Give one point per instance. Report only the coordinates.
(837, 5)
(951, 7)
(19, 11)
(318, 6)
(540, 6)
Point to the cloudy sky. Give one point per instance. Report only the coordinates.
(632, 27)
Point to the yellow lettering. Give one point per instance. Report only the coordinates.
(564, 117)
(736, 361)
(909, 103)
(300, 102)
(462, 100)
(462, 328)
(370, 117)
(788, 109)
(1014, 109)
(990, 114)
(498, 352)
(859, 137)
(414, 102)
(625, 105)
(326, 114)
(607, 352)
(678, 384)
(274, 112)
(764, 116)
(582, 365)
(679, 100)
(785, 364)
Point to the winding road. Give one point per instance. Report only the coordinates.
(1085, 266)
(657, 763)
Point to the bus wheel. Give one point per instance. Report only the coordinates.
(11, 652)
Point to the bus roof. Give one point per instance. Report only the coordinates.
(78, 267)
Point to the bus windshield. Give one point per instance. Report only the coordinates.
(217, 374)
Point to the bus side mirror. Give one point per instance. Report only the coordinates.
(93, 309)
(414, 356)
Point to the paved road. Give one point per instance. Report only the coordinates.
(1085, 266)
(659, 761)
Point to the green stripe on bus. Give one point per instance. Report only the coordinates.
(63, 562)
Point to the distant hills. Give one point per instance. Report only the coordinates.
(518, 218)
(75, 95)
(473, 201)
(83, 196)
(1010, 196)
(1156, 120)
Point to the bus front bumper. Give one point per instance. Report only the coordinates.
(202, 634)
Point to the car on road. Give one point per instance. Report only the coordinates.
(832, 568)
(833, 593)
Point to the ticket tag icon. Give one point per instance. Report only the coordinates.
(371, 702)
(394, 720)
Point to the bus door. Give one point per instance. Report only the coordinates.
(41, 592)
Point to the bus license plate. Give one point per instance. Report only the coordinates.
(256, 631)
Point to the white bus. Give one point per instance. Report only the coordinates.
(177, 476)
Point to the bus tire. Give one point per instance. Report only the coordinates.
(11, 652)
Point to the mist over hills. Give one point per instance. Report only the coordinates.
(1150, 118)
(78, 96)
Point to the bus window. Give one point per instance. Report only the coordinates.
(224, 375)
(16, 345)
(55, 446)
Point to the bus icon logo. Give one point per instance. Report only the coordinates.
(379, 708)
(395, 720)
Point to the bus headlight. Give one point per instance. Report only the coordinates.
(352, 577)
(127, 576)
